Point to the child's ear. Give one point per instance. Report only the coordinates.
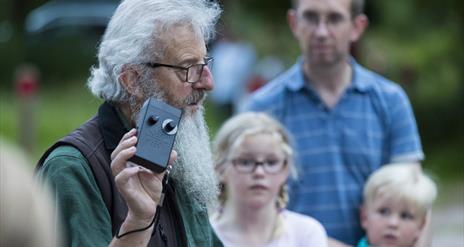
(426, 219)
(363, 216)
(425, 232)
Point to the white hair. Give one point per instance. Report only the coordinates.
(134, 35)
(404, 182)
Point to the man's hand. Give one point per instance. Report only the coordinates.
(140, 187)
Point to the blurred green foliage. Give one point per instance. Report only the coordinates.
(60, 109)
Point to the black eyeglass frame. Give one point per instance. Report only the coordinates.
(256, 164)
(208, 62)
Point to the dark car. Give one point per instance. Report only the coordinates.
(60, 14)
(61, 36)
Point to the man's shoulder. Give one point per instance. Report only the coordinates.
(78, 197)
(64, 157)
(375, 81)
(271, 92)
(65, 151)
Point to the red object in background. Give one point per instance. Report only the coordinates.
(27, 81)
(255, 83)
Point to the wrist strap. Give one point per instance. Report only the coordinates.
(155, 220)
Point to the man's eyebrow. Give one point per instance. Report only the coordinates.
(308, 12)
(189, 61)
(193, 60)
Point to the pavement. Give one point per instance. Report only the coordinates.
(448, 217)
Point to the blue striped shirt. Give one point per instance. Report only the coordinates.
(338, 148)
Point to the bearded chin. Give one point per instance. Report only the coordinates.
(193, 169)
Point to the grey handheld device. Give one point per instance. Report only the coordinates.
(156, 131)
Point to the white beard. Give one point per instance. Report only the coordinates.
(193, 170)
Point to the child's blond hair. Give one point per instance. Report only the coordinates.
(404, 182)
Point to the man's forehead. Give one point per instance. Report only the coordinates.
(183, 44)
(325, 6)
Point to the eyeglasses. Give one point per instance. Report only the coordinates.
(193, 72)
(250, 165)
(313, 19)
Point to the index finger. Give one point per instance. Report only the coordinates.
(172, 157)
(125, 137)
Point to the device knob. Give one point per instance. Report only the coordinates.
(169, 127)
(152, 120)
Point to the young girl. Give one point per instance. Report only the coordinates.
(253, 159)
(396, 201)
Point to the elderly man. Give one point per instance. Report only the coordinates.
(151, 48)
(347, 121)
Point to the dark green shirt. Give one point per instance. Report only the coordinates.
(84, 215)
(83, 212)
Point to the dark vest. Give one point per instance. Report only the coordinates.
(96, 139)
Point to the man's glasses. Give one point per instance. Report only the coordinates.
(250, 165)
(193, 72)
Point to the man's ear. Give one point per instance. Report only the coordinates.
(360, 24)
(292, 20)
(129, 80)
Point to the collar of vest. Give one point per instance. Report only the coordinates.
(111, 125)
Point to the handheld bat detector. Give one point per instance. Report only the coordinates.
(156, 131)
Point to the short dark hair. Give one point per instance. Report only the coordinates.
(357, 7)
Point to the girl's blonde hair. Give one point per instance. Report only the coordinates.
(236, 129)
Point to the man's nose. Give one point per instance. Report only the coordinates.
(322, 30)
(206, 81)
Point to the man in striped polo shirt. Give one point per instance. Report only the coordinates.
(346, 120)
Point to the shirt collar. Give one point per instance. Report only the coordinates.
(363, 243)
(361, 79)
(111, 125)
(297, 79)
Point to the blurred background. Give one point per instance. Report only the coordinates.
(47, 48)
